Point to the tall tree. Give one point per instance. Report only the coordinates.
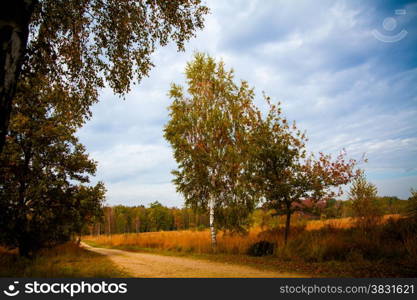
(160, 217)
(44, 193)
(285, 175)
(83, 44)
(208, 132)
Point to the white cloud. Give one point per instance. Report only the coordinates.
(130, 162)
(142, 194)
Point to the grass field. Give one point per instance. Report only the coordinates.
(181, 241)
(199, 241)
(343, 223)
(68, 260)
(324, 249)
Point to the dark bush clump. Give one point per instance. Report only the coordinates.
(261, 248)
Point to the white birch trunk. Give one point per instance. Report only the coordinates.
(212, 228)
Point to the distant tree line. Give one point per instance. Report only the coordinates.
(157, 217)
(334, 209)
(353, 208)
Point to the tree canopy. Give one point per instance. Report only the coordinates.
(45, 195)
(365, 204)
(231, 156)
(208, 131)
(82, 46)
(287, 177)
(412, 204)
(54, 59)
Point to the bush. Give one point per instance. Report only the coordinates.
(261, 248)
(320, 245)
(365, 204)
(412, 205)
(399, 230)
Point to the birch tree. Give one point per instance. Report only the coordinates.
(208, 130)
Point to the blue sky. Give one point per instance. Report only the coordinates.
(321, 59)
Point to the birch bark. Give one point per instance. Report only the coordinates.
(212, 226)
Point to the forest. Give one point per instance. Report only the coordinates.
(156, 217)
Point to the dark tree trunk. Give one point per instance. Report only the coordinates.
(15, 17)
(24, 251)
(287, 226)
(24, 247)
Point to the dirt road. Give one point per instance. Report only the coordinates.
(152, 265)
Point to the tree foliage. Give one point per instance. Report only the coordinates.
(289, 179)
(80, 45)
(208, 131)
(74, 48)
(155, 217)
(412, 205)
(44, 193)
(365, 204)
(230, 153)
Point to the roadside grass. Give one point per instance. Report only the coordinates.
(388, 249)
(68, 260)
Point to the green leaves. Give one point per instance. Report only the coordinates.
(208, 131)
(229, 152)
(365, 205)
(85, 43)
(412, 205)
(43, 169)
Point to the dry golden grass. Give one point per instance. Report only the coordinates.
(341, 223)
(182, 241)
(199, 241)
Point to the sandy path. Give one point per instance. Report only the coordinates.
(153, 265)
